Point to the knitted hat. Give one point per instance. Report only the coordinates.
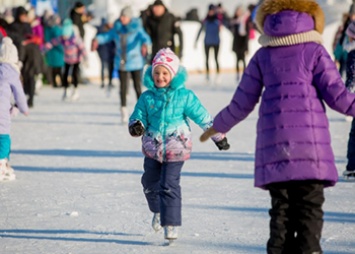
(158, 2)
(127, 12)
(350, 31)
(8, 53)
(167, 58)
(68, 29)
(211, 7)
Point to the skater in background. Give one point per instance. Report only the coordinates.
(10, 84)
(239, 26)
(161, 116)
(54, 57)
(74, 54)
(20, 31)
(340, 54)
(341, 39)
(294, 76)
(79, 17)
(211, 25)
(350, 85)
(131, 43)
(162, 26)
(106, 53)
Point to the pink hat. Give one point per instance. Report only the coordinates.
(167, 58)
(350, 31)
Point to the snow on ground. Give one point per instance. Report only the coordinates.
(78, 185)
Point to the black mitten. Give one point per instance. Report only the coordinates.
(136, 129)
(222, 144)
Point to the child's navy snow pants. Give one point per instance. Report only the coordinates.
(161, 185)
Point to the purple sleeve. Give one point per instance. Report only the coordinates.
(19, 95)
(331, 87)
(244, 99)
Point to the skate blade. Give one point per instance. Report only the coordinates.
(170, 242)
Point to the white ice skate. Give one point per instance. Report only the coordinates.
(156, 222)
(75, 95)
(170, 233)
(6, 171)
(124, 114)
(349, 175)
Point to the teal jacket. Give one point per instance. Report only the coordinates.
(165, 114)
(55, 56)
(128, 40)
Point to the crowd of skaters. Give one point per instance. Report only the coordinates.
(49, 55)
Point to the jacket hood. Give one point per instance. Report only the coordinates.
(134, 25)
(283, 17)
(176, 83)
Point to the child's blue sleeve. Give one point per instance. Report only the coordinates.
(197, 112)
(106, 37)
(140, 112)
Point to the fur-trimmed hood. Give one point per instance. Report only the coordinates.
(177, 82)
(310, 7)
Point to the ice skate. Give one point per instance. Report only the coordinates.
(124, 114)
(170, 233)
(156, 222)
(6, 172)
(2, 169)
(349, 175)
(75, 95)
(108, 90)
(65, 94)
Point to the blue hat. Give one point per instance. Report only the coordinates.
(68, 29)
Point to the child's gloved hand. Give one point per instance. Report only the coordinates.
(222, 144)
(136, 129)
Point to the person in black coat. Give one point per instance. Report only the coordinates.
(161, 25)
(239, 26)
(77, 15)
(29, 53)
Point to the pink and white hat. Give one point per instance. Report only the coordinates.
(167, 58)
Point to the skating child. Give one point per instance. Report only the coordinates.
(9, 84)
(349, 173)
(74, 54)
(293, 75)
(161, 116)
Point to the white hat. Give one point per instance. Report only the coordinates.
(8, 53)
(167, 58)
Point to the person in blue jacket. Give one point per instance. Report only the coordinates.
(161, 116)
(55, 56)
(211, 25)
(106, 53)
(131, 43)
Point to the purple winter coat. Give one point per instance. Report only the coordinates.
(293, 138)
(10, 84)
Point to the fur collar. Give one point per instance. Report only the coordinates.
(176, 83)
(270, 41)
(274, 6)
